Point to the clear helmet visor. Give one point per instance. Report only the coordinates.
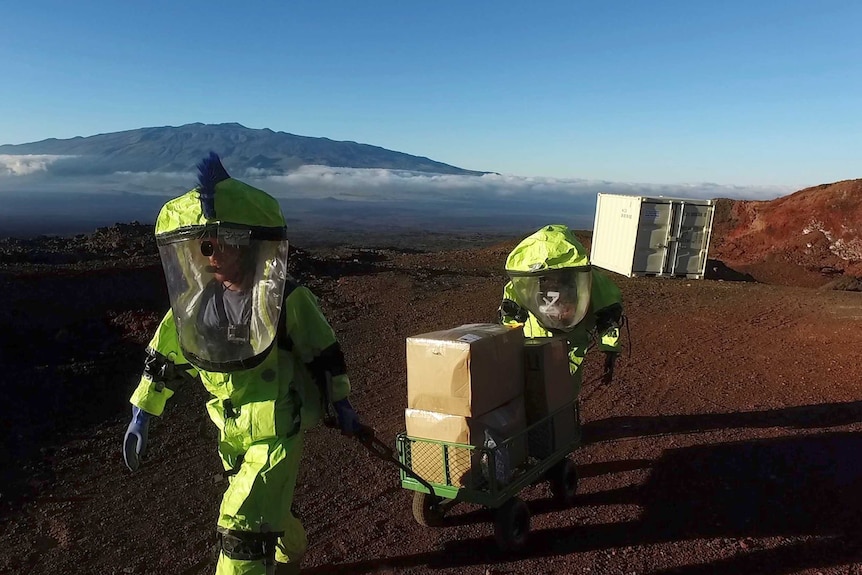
(559, 299)
(226, 291)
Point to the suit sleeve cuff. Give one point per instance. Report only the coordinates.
(150, 399)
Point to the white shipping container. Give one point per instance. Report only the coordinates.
(652, 236)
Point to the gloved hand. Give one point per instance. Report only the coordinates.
(135, 441)
(347, 419)
(610, 363)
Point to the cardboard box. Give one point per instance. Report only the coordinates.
(467, 371)
(548, 388)
(464, 465)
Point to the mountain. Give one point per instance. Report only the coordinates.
(245, 150)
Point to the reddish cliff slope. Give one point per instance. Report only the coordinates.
(808, 238)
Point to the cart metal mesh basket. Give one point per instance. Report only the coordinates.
(443, 463)
(492, 469)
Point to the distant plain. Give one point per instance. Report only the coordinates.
(31, 214)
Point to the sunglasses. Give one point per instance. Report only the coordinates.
(208, 248)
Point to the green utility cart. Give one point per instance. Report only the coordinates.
(442, 474)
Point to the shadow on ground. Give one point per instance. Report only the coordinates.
(799, 417)
(746, 489)
(718, 270)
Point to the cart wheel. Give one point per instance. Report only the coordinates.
(564, 482)
(426, 509)
(512, 525)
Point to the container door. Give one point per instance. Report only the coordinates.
(614, 232)
(652, 239)
(692, 233)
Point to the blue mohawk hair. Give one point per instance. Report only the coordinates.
(210, 172)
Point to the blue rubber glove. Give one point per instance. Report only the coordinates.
(348, 421)
(135, 441)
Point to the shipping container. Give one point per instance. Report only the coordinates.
(652, 236)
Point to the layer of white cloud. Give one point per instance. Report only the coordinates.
(33, 200)
(370, 183)
(26, 164)
(25, 173)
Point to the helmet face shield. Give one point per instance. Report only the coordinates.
(559, 298)
(226, 286)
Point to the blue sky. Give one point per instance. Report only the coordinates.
(732, 92)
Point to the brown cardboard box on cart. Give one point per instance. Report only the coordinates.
(468, 370)
(427, 458)
(548, 387)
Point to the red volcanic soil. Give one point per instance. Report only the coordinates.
(729, 443)
(807, 239)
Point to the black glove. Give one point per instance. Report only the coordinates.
(348, 421)
(610, 363)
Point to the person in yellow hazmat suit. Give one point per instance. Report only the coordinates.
(259, 344)
(554, 291)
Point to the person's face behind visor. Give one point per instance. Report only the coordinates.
(559, 300)
(225, 260)
(198, 261)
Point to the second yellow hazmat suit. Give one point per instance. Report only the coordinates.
(554, 291)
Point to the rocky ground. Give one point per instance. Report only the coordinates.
(729, 442)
